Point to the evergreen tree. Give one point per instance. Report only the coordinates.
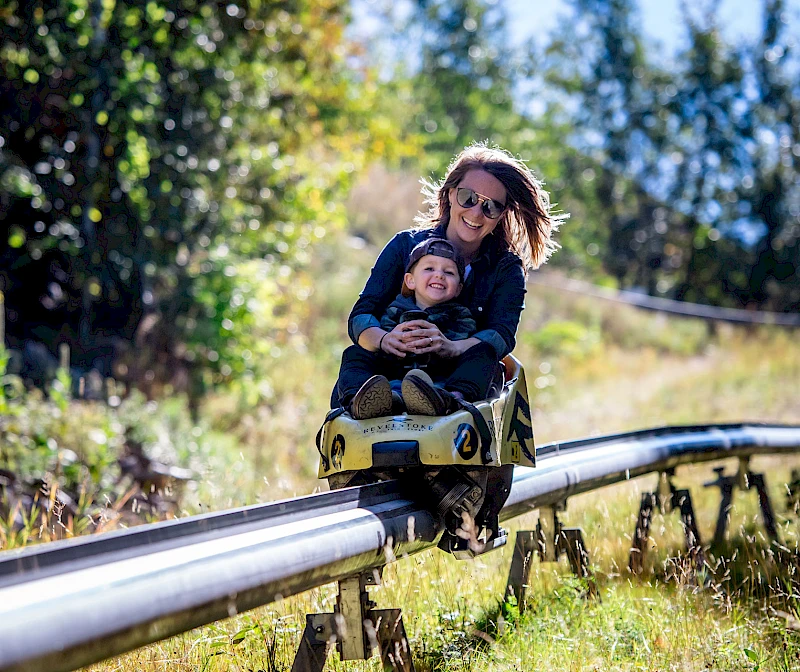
(706, 150)
(600, 64)
(771, 191)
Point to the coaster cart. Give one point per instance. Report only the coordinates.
(459, 465)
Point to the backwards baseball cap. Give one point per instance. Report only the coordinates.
(438, 247)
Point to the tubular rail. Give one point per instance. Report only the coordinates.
(67, 604)
(660, 304)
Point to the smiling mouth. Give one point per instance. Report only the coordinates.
(436, 285)
(470, 225)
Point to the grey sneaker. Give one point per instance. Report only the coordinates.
(373, 400)
(422, 397)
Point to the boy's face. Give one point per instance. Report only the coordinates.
(433, 280)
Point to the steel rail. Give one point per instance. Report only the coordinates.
(68, 604)
(664, 305)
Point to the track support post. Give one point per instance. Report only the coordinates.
(666, 498)
(550, 540)
(356, 628)
(743, 479)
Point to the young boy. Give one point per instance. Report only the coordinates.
(433, 279)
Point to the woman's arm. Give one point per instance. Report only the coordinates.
(456, 348)
(370, 338)
(503, 309)
(385, 280)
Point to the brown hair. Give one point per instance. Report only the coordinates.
(527, 224)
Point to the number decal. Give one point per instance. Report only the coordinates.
(337, 451)
(466, 441)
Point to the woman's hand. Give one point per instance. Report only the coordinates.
(397, 342)
(422, 337)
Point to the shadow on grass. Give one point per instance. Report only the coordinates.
(465, 651)
(757, 573)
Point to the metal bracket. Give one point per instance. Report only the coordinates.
(549, 541)
(744, 479)
(356, 628)
(667, 498)
(793, 492)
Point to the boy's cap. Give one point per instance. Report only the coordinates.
(438, 247)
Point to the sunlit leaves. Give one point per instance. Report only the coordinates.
(16, 237)
(193, 138)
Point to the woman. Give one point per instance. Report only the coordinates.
(498, 217)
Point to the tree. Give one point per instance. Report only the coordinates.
(454, 71)
(696, 168)
(770, 192)
(706, 150)
(151, 157)
(599, 63)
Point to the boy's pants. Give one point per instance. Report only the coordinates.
(471, 374)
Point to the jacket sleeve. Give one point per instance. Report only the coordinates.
(385, 280)
(504, 307)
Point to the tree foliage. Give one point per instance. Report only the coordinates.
(696, 162)
(166, 168)
(147, 151)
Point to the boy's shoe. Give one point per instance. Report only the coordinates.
(422, 397)
(373, 399)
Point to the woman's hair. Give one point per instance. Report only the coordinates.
(527, 224)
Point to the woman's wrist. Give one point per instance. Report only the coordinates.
(380, 343)
(458, 348)
(370, 338)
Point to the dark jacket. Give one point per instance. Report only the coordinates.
(494, 290)
(453, 319)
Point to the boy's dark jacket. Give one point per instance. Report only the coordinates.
(453, 319)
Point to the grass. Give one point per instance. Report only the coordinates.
(592, 369)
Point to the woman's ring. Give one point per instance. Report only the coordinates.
(430, 341)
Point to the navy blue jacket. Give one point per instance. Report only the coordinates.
(494, 290)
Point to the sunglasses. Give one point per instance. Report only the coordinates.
(469, 199)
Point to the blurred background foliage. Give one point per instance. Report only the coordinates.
(167, 168)
(191, 191)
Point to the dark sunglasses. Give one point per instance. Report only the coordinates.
(469, 199)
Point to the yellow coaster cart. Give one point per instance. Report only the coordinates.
(459, 465)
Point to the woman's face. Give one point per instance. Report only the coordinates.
(468, 226)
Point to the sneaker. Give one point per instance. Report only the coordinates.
(373, 400)
(422, 397)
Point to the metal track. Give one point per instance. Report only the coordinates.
(660, 304)
(67, 604)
